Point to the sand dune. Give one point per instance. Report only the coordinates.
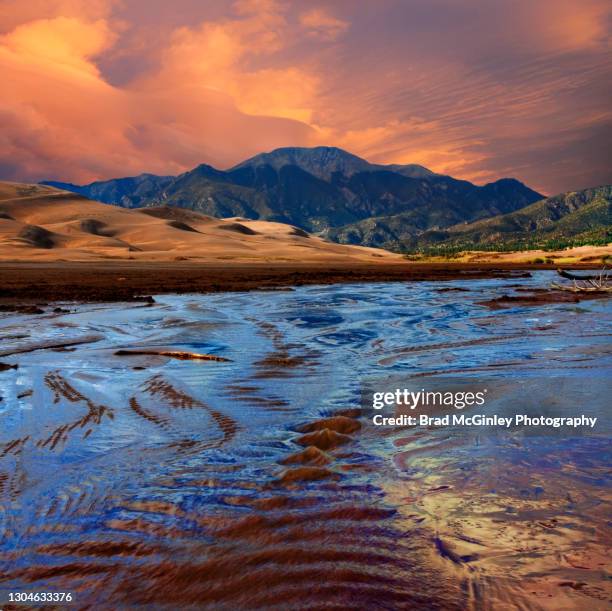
(591, 255)
(43, 223)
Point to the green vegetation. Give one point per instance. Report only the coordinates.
(448, 250)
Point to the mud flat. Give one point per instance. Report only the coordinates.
(129, 281)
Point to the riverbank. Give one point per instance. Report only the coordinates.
(127, 281)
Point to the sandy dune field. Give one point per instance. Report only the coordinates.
(45, 224)
(594, 255)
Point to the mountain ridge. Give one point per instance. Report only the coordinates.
(568, 219)
(318, 189)
(324, 161)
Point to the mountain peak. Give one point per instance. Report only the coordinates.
(510, 185)
(322, 161)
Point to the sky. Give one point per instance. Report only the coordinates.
(478, 89)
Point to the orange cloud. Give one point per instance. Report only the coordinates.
(216, 56)
(18, 12)
(62, 43)
(102, 88)
(64, 119)
(57, 95)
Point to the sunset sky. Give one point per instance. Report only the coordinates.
(478, 89)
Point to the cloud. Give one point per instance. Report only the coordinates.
(63, 119)
(216, 56)
(18, 12)
(100, 88)
(57, 96)
(62, 43)
(321, 24)
(255, 7)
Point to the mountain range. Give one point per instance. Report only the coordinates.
(322, 189)
(569, 219)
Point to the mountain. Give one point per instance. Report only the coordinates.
(131, 192)
(437, 203)
(321, 161)
(322, 189)
(569, 219)
(325, 161)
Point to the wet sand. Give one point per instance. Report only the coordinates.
(136, 477)
(128, 281)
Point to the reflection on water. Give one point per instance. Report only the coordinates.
(253, 483)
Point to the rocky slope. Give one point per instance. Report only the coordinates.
(569, 219)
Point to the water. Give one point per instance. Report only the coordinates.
(147, 480)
